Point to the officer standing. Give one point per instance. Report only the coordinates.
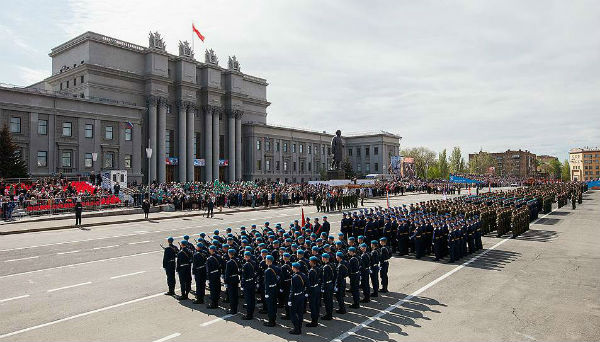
(213, 272)
(327, 290)
(199, 271)
(270, 291)
(365, 270)
(232, 281)
(169, 264)
(79, 211)
(374, 268)
(286, 278)
(384, 263)
(249, 285)
(184, 260)
(340, 282)
(314, 291)
(146, 207)
(354, 268)
(296, 301)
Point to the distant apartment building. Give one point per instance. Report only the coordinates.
(542, 167)
(584, 164)
(511, 163)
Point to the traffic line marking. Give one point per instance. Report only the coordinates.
(83, 314)
(126, 275)
(33, 257)
(79, 264)
(166, 338)
(68, 287)
(71, 252)
(96, 248)
(205, 324)
(13, 298)
(137, 243)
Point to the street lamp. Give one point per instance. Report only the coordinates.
(149, 155)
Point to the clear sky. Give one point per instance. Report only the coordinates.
(488, 75)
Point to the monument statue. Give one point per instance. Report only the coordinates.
(337, 148)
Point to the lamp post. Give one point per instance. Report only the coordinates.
(149, 155)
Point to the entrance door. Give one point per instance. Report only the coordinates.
(170, 173)
(222, 173)
(197, 175)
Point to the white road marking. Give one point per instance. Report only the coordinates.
(419, 291)
(96, 248)
(205, 324)
(126, 275)
(71, 252)
(83, 314)
(166, 338)
(78, 264)
(68, 287)
(13, 298)
(136, 243)
(33, 257)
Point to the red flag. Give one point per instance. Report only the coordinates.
(197, 32)
(303, 221)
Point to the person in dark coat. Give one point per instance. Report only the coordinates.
(184, 267)
(146, 207)
(169, 259)
(270, 278)
(78, 212)
(199, 271)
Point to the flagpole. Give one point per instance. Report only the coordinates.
(193, 49)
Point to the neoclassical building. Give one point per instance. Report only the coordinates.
(202, 121)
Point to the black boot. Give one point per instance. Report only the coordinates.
(312, 324)
(269, 324)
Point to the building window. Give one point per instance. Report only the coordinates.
(258, 165)
(301, 166)
(358, 167)
(309, 166)
(67, 84)
(66, 159)
(87, 160)
(109, 159)
(322, 149)
(61, 86)
(293, 148)
(309, 149)
(167, 143)
(277, 146)
(350, 151)
(277, 165)
(268, 165)
(89, 130)
(42, 158)
(301, 148)
(127, 134)
(376, 165)
(367, 151)
(367, 168)
(358, 152)
(15, 125)
(284, 147)
(258, 144)
(74, 82)
(375, 150)
(108, 132)
(128, 161)
(295, 166)
(267, 145)
(285, 166)
(42, 127)
(81, 79)
(67, 129)
(323, 166)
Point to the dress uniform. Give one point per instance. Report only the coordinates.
(314, 291)
(184, 267)
(374, 268)
(271, 280)
(232, 281)
(296, 300)
(328, 286)
(365, 270)
(199, 272)
(354, 268)
(384, 263)
(213, 272)
(340, 282)
(249, 285)
(169, 264)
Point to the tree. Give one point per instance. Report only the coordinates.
(442, 165)
(555, 168)
(457, 162)
(12, 165)
(347, 167)
(434, 172)
(481, 162)
(565, 173)
(423, 157)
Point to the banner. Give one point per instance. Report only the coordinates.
(395, 164)
(463, 180)
(407, 168)
(172, 161)
(223, 162)
(199, 162)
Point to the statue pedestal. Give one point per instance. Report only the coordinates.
(336, 174)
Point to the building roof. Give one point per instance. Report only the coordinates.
(585, 149)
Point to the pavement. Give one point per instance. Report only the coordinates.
(106, 283)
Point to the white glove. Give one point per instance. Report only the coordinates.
(306, 295)
(335, 289)
(289, 303)
(266, 296)
(281, 290)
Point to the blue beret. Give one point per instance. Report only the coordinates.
(340, 234)
(276, 241)
(300, 251)
(186, 237)
(267, 223)
(270, 257)
(231, 251)
(264, 251)
(296, 265)
(374, 242)
(230, 238)
(325, 256)
(242, 228)
(282, 248)
(338, 242)
(228, 229)
(352, 249)
(360, 237)
(198, 244)
(215, 241)
(170, 239)
(324, 216)
(351, 238)
(339, 254)
(315, 248)
(183, 242)
(248, 248)
(216, 231)
(247, 253)
(314, 258)
(363, 245)
(383, 239)
(213, 247)
(253, 226)
(287, 255)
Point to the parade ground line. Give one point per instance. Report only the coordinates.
(166, 338)
(401, 302)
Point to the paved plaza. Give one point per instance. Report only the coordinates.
(107, 283)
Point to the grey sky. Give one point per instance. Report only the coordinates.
(476, 74)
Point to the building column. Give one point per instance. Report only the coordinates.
(215, 143)
(161, 152)
(182, 140)
(231, 147)
(238, 146)
(208, 148)
(152, 123)
(190, 143)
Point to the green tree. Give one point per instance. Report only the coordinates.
(423, 157)
(481, 162)
(565, 173)
(442, 165)
(457, 162)
(347, 167)
(12, 164)
(434, 172)
(555, 168)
